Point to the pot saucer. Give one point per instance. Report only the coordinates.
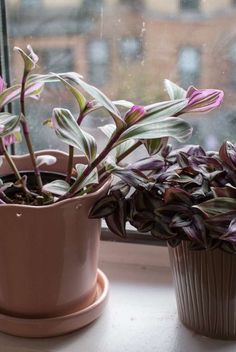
(49, 327)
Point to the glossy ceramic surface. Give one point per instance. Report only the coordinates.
(205, 284)
(49, 254)
(48, 327)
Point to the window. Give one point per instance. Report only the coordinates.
(137, 5)
(189, 66)
(57, 59)
(130, 48)
(103, 41)
(28, 4)
(98, 60)
(191, 5)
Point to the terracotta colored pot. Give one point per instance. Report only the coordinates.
(48, 254)
(205, 285)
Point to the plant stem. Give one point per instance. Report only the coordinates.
(71, 152)
(128, 151)
(25, 129)
(93, 165)
(4, 199)
(80, 118)
(10, 160)
(122, 156)
(70, 163)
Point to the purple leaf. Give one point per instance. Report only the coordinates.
(177, 196)
(117, 220)
(227, 154)
(230, 235)
(104, 207)
(217, 205)
(146, 164)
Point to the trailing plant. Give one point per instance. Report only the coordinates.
(149, 125)
(188, 194)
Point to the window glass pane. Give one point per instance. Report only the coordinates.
(130, 48)
(189, 4)
(189, 66)
(34, 3)
(98, 60)
(127, 48)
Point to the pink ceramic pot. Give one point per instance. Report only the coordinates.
(205, 285)
(48, 254)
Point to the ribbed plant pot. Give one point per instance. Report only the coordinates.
(49, 278)
(205, 286)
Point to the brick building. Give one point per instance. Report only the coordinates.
(128, 47)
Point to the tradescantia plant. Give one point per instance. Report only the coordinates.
(149, 125)
(189, 194)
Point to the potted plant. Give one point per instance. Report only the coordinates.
(188, 200)
(49, 280)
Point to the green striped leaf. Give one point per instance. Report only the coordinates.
(158, 128)
(81, 100)
(8, 123)
(174, 91)
(164, 109)
(108, 130)
(92, 178)
(100, 97)
(58, 187)
(70, 133)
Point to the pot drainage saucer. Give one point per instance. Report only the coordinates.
(48, 327)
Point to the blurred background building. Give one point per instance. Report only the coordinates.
(127, 48)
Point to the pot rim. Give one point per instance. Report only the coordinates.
(92, 195)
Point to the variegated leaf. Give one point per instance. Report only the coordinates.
(100, 97)
(57, 187)
(92, 178)
(76, 93)
(32, 90)
(158, 128)
(8, 123)
(174, 91)
(70, 133)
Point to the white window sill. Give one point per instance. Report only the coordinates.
(141, 314)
